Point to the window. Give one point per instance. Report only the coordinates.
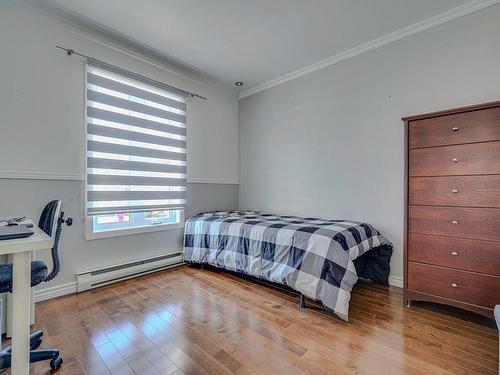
(135, 153)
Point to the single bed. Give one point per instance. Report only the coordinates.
(319, 258)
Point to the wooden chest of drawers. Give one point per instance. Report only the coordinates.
(452, 208)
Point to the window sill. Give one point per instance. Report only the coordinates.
(89, 235)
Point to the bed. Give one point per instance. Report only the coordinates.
(321, 259)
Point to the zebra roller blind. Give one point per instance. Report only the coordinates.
(136, 143)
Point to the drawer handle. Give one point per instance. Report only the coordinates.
(455, 160)
(454, 253)
(454, 190)
(454, 285)
(455, 128)
(454, 221)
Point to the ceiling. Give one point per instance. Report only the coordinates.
(253, 41)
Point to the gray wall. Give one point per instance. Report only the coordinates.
(331, 143)
(28, 197)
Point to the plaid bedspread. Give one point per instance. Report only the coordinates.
(311, 255)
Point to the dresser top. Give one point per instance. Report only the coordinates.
(468, 108)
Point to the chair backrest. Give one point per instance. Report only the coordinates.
(49, 218)
(50, 222)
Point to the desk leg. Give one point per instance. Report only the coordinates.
(21, 313)
(32, 294)
(8, 307)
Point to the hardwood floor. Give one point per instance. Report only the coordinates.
(192, 321)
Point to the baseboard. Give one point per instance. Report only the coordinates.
(60, 290)
(70, 288)
(396, 281)
(55, 291)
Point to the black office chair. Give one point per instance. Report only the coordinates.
(50, 222)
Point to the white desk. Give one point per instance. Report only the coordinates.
(21, 249)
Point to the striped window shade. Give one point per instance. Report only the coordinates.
(136, 143)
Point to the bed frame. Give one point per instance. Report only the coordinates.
(373, 265)
(281, 287)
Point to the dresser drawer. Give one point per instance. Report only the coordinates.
(464, 286)
(470, 255)
(470, 159)
(468, 191)
(474, 223)
(475, 126)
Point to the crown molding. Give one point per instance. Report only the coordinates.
(118, 42)
(426, 24)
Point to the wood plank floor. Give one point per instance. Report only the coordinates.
(192, 321)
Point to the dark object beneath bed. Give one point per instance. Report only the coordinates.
(373, 265)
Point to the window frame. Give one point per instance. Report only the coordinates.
(89, 234)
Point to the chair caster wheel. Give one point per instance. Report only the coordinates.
(56, 363)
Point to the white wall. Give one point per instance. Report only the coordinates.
(331, 143)
(42, 106)
(42, 135)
